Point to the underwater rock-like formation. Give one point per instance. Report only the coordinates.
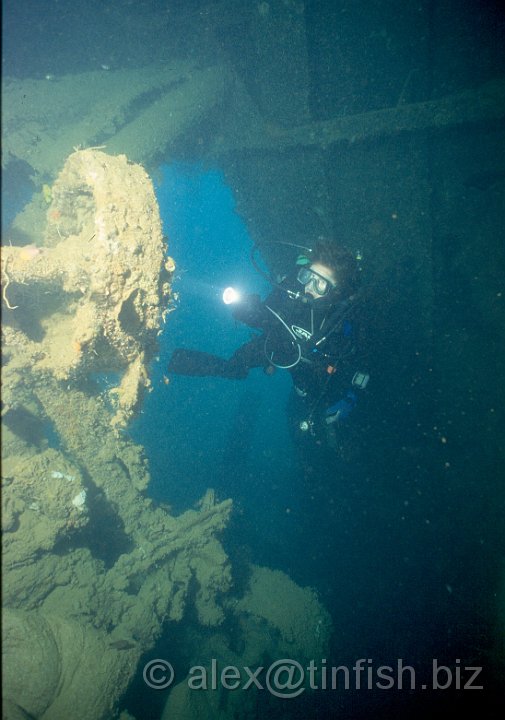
(274, 619)
(57, 665)
(90, 298)
(93, 573)
(138, 111)
(83, 546)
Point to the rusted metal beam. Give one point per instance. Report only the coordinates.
(485, 104)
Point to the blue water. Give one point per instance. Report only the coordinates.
(363, 532)
(383, 536)
(204, 433)
(17, 190)
(402, 536)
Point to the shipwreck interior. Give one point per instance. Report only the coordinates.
(139, 173)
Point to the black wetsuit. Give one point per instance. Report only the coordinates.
(313, 340)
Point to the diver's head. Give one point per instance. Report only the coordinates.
(332, 274)
(319, 280)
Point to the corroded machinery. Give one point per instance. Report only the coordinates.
(93, 571)
(88, 562)
(90, 298)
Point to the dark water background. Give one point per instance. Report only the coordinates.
(402, 537)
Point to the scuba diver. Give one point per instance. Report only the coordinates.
(305, 327)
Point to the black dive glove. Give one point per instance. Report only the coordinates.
(251, 311)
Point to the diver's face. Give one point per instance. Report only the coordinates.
(321, 283)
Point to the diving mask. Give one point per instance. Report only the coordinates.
(316, 282)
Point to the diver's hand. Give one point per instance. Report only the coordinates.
(250, 301)
(249, 309)
(341, 410)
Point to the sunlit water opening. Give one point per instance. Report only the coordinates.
(199, 433)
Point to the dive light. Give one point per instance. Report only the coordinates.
(230, 296)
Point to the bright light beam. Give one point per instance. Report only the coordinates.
(230, 295)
